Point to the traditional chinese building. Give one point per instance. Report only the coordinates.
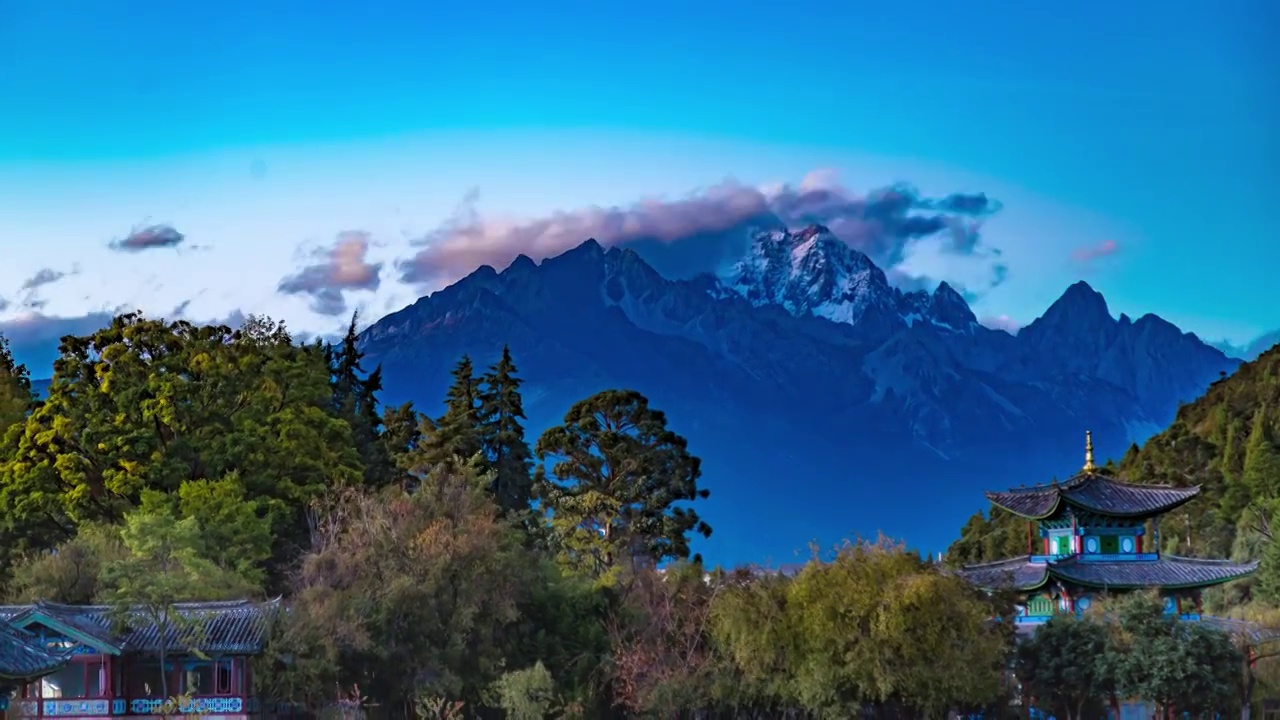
(83, 662)
(1095, 535)
(23, 660)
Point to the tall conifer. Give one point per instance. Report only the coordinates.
(502, 435)
(355, 399)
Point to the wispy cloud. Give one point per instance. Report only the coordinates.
(1091, 253)
(44, 276)
(341, 268)
(149, 237)
(883, 224)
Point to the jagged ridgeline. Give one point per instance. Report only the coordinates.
(1225, 442)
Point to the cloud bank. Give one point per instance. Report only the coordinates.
(341, 267)
(885, 224)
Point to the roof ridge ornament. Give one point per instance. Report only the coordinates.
(1089, 467)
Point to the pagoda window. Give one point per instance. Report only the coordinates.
(1110, 545)
(1092, 545)
(144, 679)
(217, 677)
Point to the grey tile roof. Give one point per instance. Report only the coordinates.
(231, 627)
(1096, 493)
(21, 658)
(1017, 572)
(1170, 571)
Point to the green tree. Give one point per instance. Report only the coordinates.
(1059, 666)
(404, 595)
(16, 397)
(879, 625)
(996, 536)
(1261, 461)
(528, 694)
(71, 572)
(236, 529)
(754, 629)
(167, 563)
(402, 434)
(355, 399)
(144, 404)
(1182, 666)
(616, 482)
(501, 412)
(454, 438)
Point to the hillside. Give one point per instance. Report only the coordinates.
(813, 389)
(1225, 442)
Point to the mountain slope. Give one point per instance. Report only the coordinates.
(814, 391)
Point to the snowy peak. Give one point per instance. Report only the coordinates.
(812, 272)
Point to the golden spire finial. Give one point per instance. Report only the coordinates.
(1088, 452)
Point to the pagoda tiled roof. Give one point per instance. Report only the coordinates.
(22, 657)
(234, 627)
(1096, 493)
(1018, 573)
(1168, 572)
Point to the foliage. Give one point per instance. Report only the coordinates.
(16, 397)
(615, 484)
(144, 405)
(71, 572)
(1184, 665)
(1063, 666)
(878, 624)
(167, 563)
(662, 651)
(175, 462)
(500, 414)
(528, 694)
(405, 594)
(355, 400)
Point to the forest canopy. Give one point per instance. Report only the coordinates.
(439, 563)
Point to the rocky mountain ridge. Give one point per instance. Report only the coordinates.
(807, 382)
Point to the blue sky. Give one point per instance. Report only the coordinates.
(266, 132)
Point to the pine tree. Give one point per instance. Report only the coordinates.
(502, 435)
(1261, 461)
(617, 483)
(402, 434)
(355, 400)
(1236, 494)
(455, 436)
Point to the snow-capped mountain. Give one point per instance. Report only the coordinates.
(812, 272)
(802, 370)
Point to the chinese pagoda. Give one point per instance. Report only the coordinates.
(1093, 539)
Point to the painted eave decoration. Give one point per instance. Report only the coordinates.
(22, 658)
